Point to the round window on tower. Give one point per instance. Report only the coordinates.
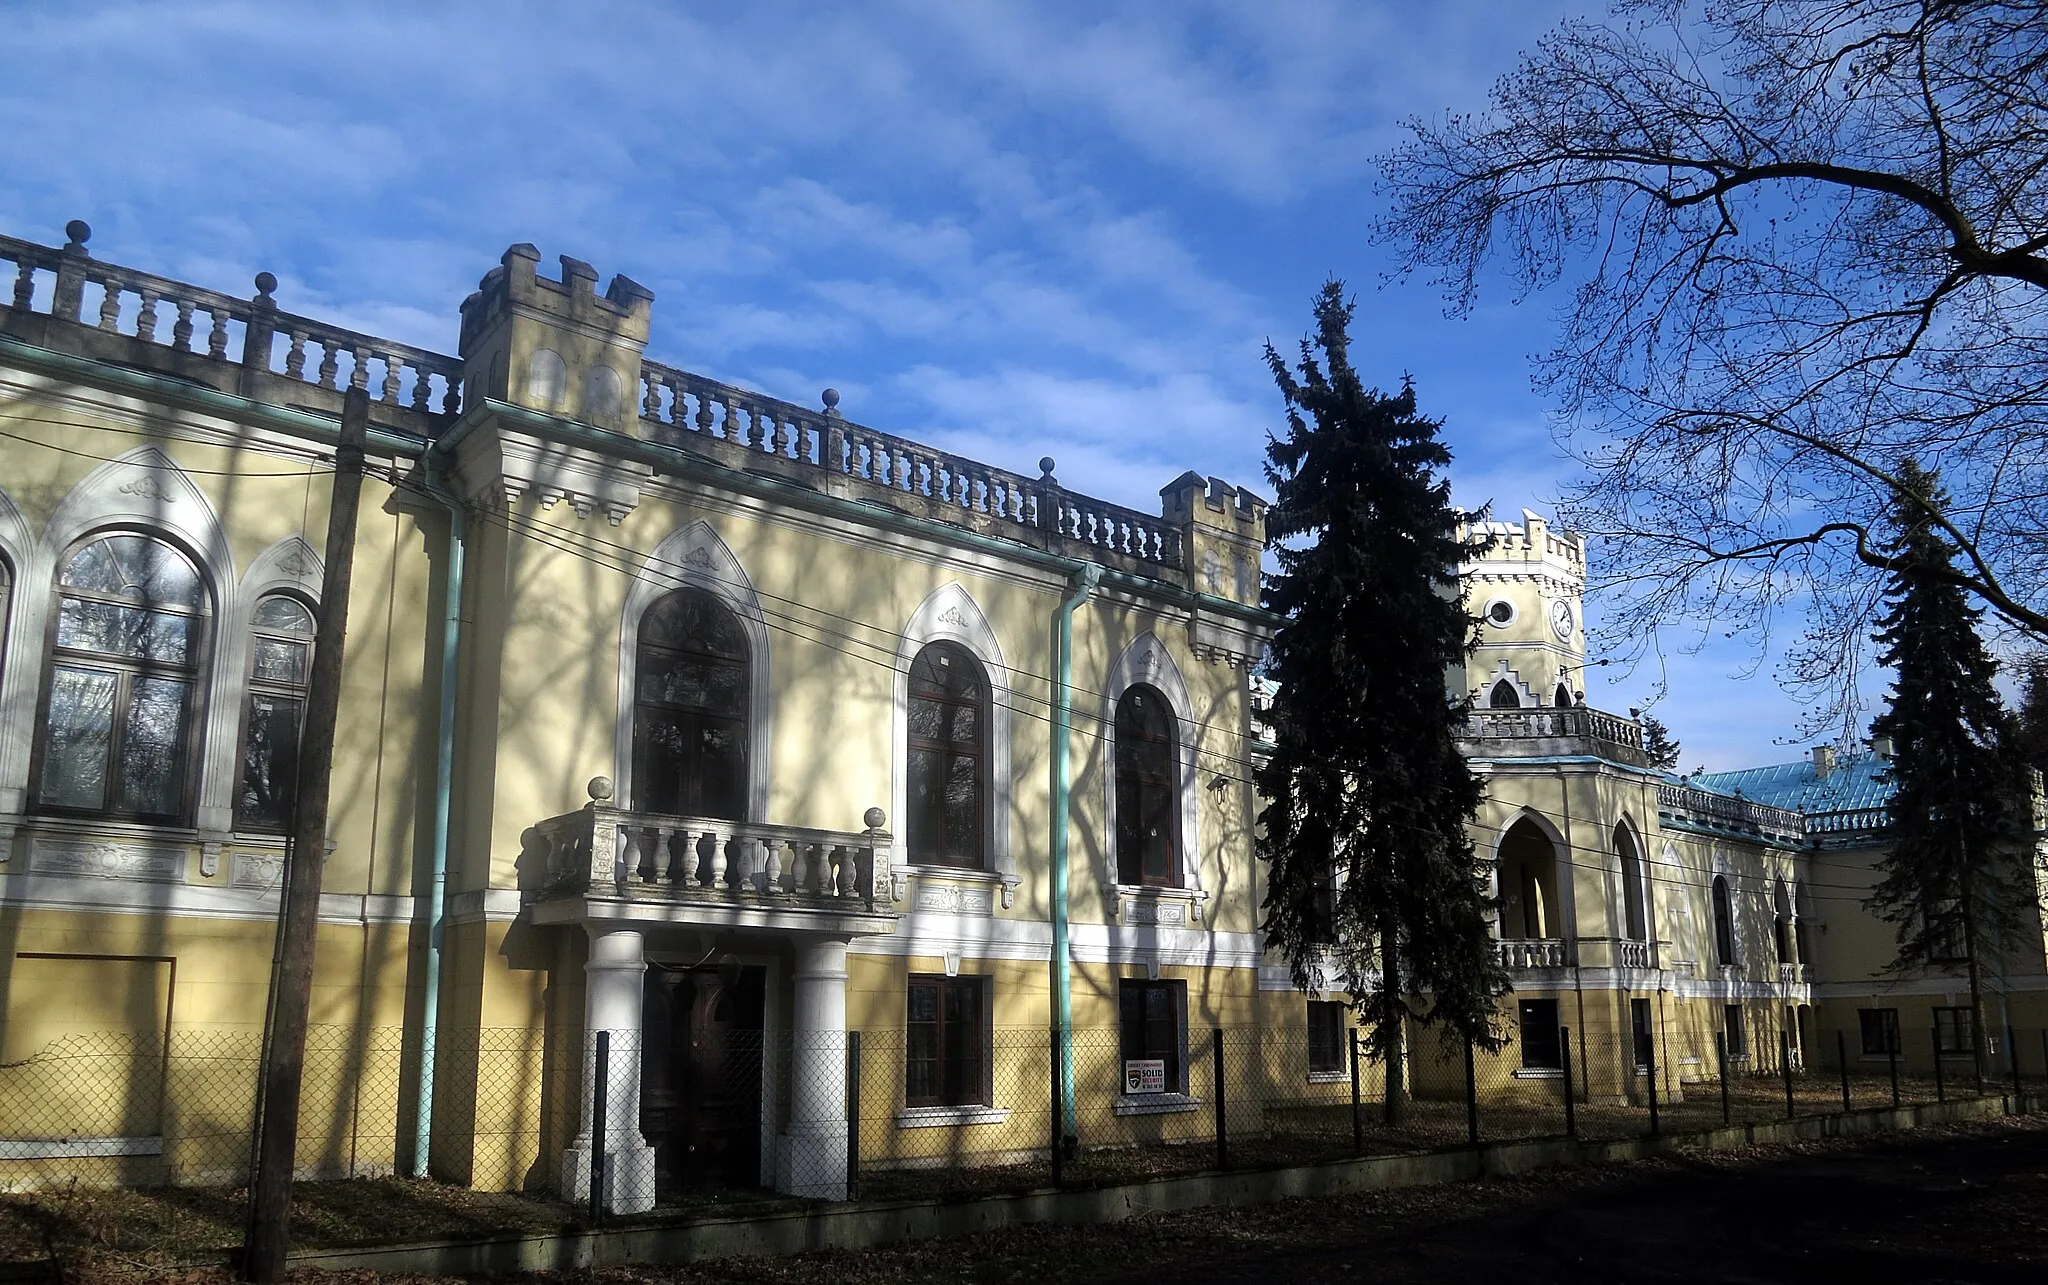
(1500, 613)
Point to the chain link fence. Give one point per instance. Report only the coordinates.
(934, 1109)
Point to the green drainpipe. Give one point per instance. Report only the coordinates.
(1085, 579)
(444, 786)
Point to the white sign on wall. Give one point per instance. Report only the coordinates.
(1144, 1075)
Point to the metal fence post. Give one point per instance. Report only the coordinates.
(852, 1115)
(1471, 1096)
(1785, 1061)
(1721, 1058)
(1891, 1057)
(1842, 1056)
(1056, 1138)
(1940, 1084)
(1650, 1052)
(1564, 1061)
(1357, 1103)
(1222, 1144)
(601, 1072)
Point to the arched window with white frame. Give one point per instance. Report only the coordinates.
(1724, 924)
(280, 667)
(1147, 789)
(948, 754)
(692, 678)
(128, 648)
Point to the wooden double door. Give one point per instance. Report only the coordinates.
(700, 1096)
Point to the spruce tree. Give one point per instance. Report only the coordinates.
(2031, 746)
(1949, 885)
(1659, 746)
(1364, 832)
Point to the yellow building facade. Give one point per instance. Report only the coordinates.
(707, 730)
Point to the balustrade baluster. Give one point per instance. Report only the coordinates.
(145, 317)
(390, 377)
(771, 865)
(721, 862)
(705, 416)
(799, 866)
(295, 356)
(110, 304)
(217, 334)
(359, 369)
(330, 361)
(422, 387)
(650, 397)
(644, 849)
(181, 329)
(24, 284)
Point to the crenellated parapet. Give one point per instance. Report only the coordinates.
(557, 347)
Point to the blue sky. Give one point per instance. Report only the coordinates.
(1009, 229)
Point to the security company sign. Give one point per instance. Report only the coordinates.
(1144, 1075)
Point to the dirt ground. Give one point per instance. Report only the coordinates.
(1946, 1204)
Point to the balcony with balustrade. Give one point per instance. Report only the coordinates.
(604, 863)
(1559, 731)
(1529, 954)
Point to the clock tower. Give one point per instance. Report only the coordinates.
(1527, 591)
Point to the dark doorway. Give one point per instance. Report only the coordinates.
(700, 1098)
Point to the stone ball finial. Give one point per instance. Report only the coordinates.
(80, 232)
(831, 396)
(265, 283)
(873, 818)
(600, 788)
(1045, 463)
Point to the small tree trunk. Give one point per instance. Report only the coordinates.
(1393, 1031)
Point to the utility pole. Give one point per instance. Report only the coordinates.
(270, 1187)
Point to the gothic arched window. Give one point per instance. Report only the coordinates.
(949, 758)
(1724, 923)
(129, 646)
(690, 689)
(280, 665)
(1635, 920)
(1504, 696)
(1147, 800)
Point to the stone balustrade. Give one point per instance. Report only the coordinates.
(1519, 954)
(602, 850)
(682, 409)
(1633, 954)
(1795, 974)
(69, 285)
(1558, 729)
(1712, 811)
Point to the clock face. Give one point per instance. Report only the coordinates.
(1561, 619)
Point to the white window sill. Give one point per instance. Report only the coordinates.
(78, 1148)
(1329, 1077)
(1155, 1103)
(1538, 1073)
(941, 1117)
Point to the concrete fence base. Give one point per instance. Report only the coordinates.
(862, 1225)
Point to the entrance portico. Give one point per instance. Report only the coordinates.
(719, 882)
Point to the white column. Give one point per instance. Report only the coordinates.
(612, 982)
(811, 1154)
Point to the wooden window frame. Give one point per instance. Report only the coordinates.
(977, 1092)
(1168, 787)
(691, 791)
(1873, 1026)
(194, 674)
(1132, 1044)
(917, 846)
(258, 687)
(1330, 1043)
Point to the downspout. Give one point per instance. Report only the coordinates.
(1086, 577)
(444, 787)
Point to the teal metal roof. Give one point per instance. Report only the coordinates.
(1857, 787)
